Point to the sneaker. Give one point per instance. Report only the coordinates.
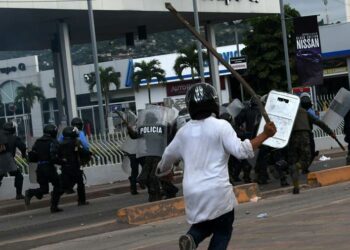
(27, 198)
(186, 242)
(56, 210)
(19, 197)
(296, 190)
(83, 203)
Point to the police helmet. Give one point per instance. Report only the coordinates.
(202, 100)
(51, 130)
(77, 122)
(305, 101)
(9, 127)
(70, 132)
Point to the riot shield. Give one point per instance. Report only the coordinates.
(337, 109)
(182, 118)
(282, 109)
(153, 125)
(235, 107)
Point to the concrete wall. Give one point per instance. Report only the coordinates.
(94, 176)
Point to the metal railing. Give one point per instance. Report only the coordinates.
(106, 151)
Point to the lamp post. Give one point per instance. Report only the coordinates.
(285, 47)
(97, 72)
(199, 46)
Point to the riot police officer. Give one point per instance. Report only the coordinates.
(44, 152)
(15, 142)
(70, 151)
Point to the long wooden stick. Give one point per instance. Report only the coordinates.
(220, 59)
(339, 143)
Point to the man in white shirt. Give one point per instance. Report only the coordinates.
(204, 144)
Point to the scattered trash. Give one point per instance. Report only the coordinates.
(262, 215)
(82, 224)
(247, 212)
(324, 158)
(255, 199)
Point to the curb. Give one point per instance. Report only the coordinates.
(329, 176)
(166, 209)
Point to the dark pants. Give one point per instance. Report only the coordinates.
(261, 165)
(69, 178)
(148, 178)
(18, 180)
(47, 174)
(221, 228)
(134, 164)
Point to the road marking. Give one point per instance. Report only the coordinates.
(47, 235)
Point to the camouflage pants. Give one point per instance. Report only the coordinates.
(299, 154)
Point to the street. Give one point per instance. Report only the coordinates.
(286, 223)
(316, 219)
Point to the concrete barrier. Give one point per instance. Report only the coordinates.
(165, 209)
(329, 176)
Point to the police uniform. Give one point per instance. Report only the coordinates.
(44, 152)
(299, 151)
(70, 151)
(15, 142)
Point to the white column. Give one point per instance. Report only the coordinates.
(347, 10)
(37, 120)
(214, 66)
(67, 70)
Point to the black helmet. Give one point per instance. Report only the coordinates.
(9, 127)
(70, 132)
(77, 122)
(202, 101)
(305, 101)
(51, 130)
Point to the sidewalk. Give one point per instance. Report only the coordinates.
(98, 191)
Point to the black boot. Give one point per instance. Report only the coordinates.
(55, 210)
(133, 188)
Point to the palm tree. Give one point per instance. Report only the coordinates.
(188, 58)
(29, 93)
(108, 77)
(148, 71)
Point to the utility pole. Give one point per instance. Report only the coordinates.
(199, 46)
(97, 72)
(285, 47)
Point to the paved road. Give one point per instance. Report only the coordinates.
(38, 227)
(316, 219)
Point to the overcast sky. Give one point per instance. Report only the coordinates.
(335, 8)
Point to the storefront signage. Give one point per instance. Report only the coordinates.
(226, 1)
(238, 63)
(174, 89)
(8, 70)
(308, 51)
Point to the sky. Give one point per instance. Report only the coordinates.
(335, 8)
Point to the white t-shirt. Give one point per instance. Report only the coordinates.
(205, 146)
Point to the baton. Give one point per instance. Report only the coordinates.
(220, 59)
(121, 116)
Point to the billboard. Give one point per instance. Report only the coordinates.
(308, 51)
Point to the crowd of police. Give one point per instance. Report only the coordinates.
(149, 135)
(296, 157)
(69, 152)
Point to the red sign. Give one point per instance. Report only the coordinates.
(173, 89)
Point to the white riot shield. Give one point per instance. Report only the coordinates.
(153, 124)
(129, 146)
(282, 109)
(126, 165)
(235, 107)
(337, 109)
(32, 172)
(182, 118)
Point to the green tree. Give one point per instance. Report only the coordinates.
(148, 71)
(108, 77)
(264, 51)
(29, 93)
(188, 58)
